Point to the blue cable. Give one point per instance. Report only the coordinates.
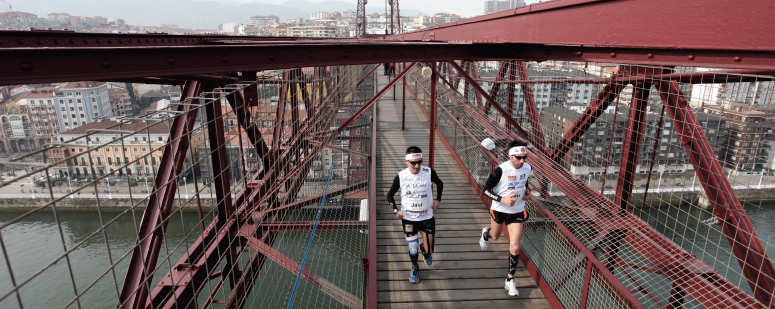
(320, 210)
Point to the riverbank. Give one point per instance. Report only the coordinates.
(90, 204)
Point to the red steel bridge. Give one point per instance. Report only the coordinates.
(264, 187)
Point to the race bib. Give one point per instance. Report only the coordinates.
(519, 195)
(417, 204)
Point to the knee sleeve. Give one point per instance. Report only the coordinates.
(413, 245)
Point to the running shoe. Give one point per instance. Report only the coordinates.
(414, 275)
(482, 242)
(427, 258)
(512, 287)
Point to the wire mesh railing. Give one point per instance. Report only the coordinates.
(208, 201)
(642, 212)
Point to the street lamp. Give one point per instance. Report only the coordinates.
(184, 184)
(71, 186)
(146, 186)
(110, 193)
(32, 187)
(660, 180)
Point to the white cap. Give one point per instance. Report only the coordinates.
(488, 144)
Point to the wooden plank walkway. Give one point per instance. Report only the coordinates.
(462, 275)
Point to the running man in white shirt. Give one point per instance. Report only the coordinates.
(507, 187)
(417, 205)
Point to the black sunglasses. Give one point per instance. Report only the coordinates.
(520, 158)
(415, 163)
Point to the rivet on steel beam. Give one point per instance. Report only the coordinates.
(375, 54)
(737, 59)
(578, 53)
(162, 40)
(40, 42)
(72, 41)
(25, 66)
(690, 57)
(225, 59)
(548, 52)
(171, 60)
(98, 41)
(1, 42)
(401, 53)
(56, 41)
(311, 56)
(345, 55)
(130, 41)
(271, 57)
(613, 55)
(120, 41)
(154, 40)
(106, 64)
(110, 41)
(85, 41)
(650, 56)
(147, 40)
(20, 41)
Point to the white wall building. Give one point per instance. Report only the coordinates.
(79, 103)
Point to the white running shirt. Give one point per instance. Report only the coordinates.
(416, 193)
(512, 181)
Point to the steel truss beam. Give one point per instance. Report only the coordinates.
(757, 267)
(145, 254)
(604, 98)
(673, 37)
(699, 281)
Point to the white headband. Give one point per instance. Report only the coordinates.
(414, 156)
(517, 150)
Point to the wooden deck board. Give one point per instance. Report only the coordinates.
(462, 275)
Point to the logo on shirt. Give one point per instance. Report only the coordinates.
(425, 169)
(512, 178)
(408, 192)
(521, 177)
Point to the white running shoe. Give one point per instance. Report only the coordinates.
(484, 243)
(512, 287)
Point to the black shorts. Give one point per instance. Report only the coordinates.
(502, 217)
(412, 227)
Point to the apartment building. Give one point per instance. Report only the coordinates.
(79, 103)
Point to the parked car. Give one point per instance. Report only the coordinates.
(643, 186)
(679, 184)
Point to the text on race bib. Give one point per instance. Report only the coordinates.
(417, 204)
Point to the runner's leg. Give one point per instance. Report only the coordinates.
(495, 229)
(515, 236)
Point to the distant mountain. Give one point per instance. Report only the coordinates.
(186, 13)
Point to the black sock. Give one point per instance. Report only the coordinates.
(414, 260)
(513, 260)
(509, 279)
(487, 234)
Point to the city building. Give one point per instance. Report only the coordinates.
(16, 126)
(43, 115)
(121, 101)
(141, 152)
(18, 20)
(263, 21)
(79, 103)
(319, 15)
(443, 18)
(60, 17)
(589, 155)
(313, 31)
(746, 150)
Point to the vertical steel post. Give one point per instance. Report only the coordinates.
(631, 149)
(510, 95)
(403, 96)
(432, 143)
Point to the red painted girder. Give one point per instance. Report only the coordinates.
(498, 108)
(752, 257)
(532, 109)
(678, 264)
(206, 251)
(311, 277)
(687, 25)
(145, 254)
(367, 75)
(496, 86)
(510, 89)
(475, 75)
(636, 123)
(285, 226)
(607, 95)
(37, 65)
